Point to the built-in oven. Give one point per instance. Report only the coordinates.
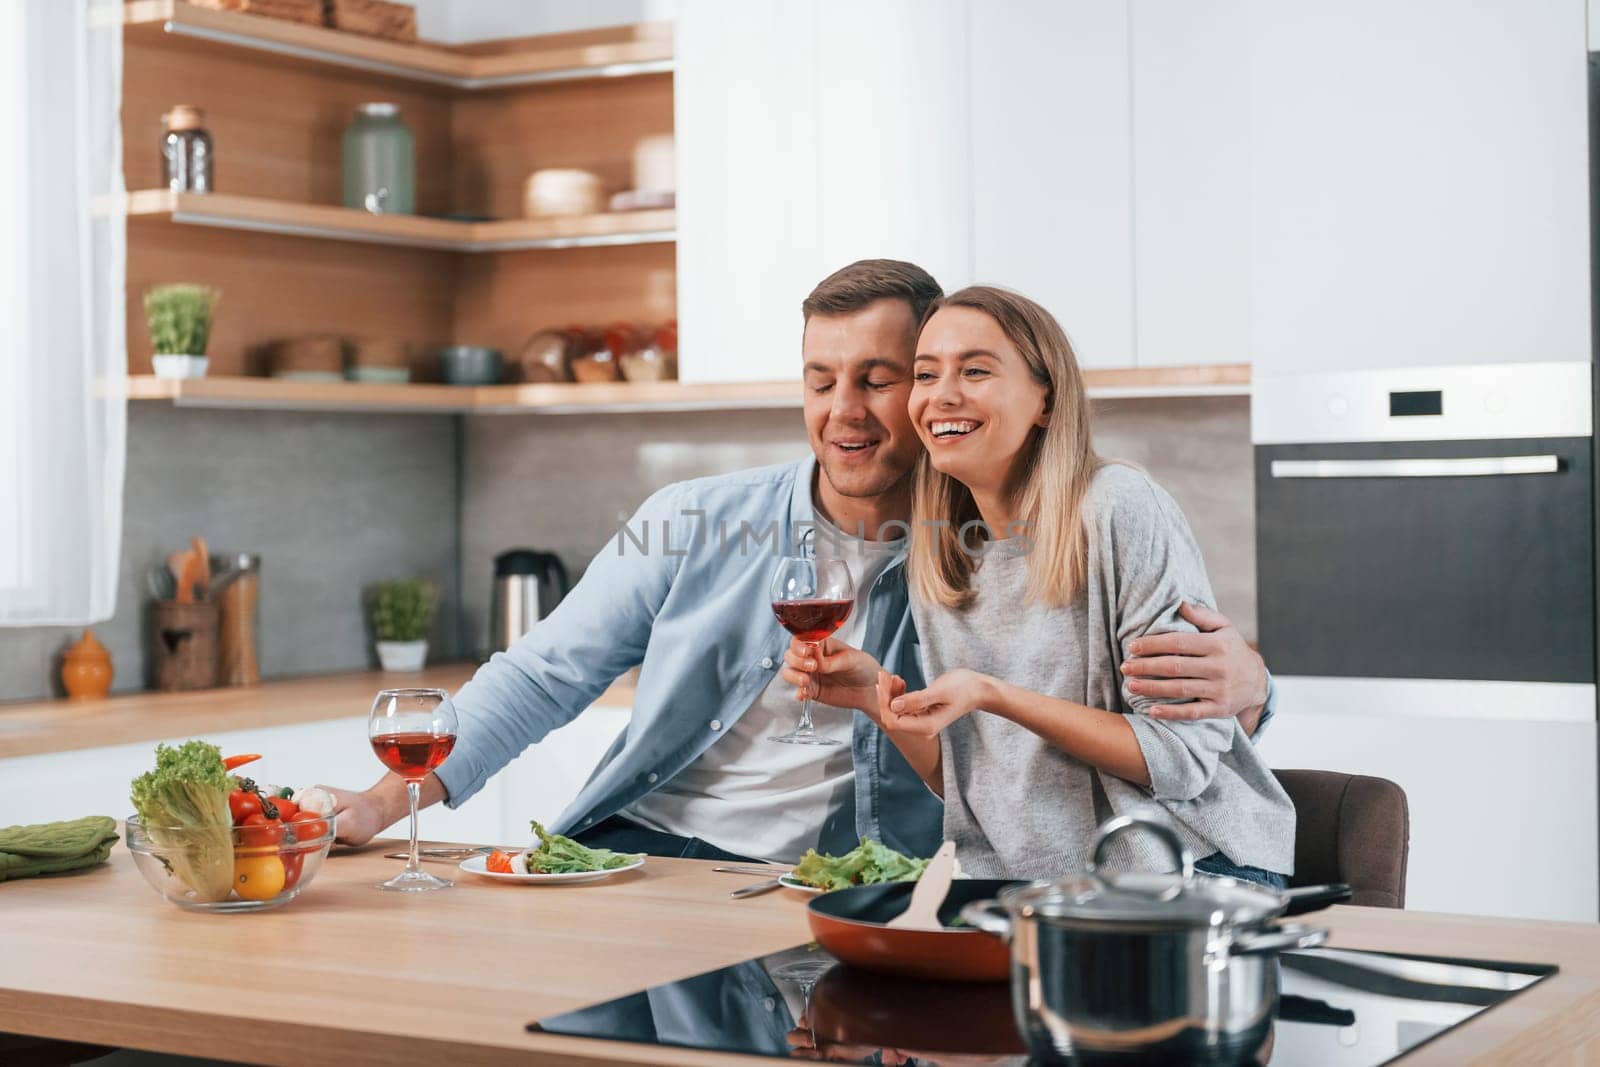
(1426, 573)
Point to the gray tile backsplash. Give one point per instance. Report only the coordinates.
(1199, 449)
(558, 484)
(336, 502)
(331, 502)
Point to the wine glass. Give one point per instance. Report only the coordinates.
(811, 598)
(412, 731)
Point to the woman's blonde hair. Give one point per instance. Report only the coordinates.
(1050, 477)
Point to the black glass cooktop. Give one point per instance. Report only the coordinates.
(1338, 1009)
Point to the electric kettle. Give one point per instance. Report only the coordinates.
(527, 586)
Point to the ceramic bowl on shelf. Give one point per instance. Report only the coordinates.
(469, 365)
(203, 872)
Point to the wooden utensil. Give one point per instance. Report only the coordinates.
(197, 545)
(186, 569)
(931, 889)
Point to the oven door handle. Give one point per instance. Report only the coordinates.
(1463, 467)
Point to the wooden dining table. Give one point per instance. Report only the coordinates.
(347, 974)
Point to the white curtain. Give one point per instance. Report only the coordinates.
(63, 359)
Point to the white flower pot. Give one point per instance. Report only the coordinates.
(180, 366)
(402, 655)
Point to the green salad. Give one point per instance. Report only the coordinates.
(866, 864)
(562, 855)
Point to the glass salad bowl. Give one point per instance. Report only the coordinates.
(232, 869)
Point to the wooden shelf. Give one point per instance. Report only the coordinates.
(577, 398)
(641, 49)
(414, 231)
(1206, 379)
(549, 399)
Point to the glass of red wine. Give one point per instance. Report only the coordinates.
(412, 731)
(811, 598)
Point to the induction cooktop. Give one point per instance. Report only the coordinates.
(1338, 1008)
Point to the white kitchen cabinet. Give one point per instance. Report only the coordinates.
(539, 784)
(1191, 181)
(1419, 183)
(1052, 164)
(892, 142)
(744, 100)
(1503, 813)
(809, 135)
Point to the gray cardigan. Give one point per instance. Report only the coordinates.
(1018, 807)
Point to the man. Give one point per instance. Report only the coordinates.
(682, 591)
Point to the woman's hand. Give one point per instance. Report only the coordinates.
(927, 711)
(843, 677)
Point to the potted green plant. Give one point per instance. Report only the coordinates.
(180, 327)
(401, 611)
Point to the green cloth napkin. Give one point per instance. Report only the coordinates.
(53, 847)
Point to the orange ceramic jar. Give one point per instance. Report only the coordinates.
(86, 669)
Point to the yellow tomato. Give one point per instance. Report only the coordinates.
(258, 877)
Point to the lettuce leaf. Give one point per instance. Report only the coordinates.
(562, 855)
(867, 864)
(183, 806)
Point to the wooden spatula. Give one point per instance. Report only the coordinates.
(923, 911)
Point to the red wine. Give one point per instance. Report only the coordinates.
(413, 755)
(812, 620)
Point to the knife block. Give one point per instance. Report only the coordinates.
(186, 645)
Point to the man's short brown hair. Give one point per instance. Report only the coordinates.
(866, 281)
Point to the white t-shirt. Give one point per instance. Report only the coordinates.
(750, 795)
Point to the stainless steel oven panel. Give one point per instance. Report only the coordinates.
(1478, 576)
(1523, 400)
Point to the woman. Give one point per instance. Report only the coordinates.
(1033, 563)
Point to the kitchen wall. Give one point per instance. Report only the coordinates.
(559, 484)
(331, 502)
(336, 502)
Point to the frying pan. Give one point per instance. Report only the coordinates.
(851, 924)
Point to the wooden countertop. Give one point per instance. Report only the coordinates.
(28, 729)
(357, 976)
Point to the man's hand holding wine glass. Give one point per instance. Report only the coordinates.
(840, 677)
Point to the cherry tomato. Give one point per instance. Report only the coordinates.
(258, 831)
(292, 864)
(498, 862)
(308, 827)
(242, 805)
(258, 877)
(286, 808)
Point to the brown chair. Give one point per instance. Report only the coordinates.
(1350, 828)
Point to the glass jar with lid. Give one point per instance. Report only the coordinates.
(379, 161)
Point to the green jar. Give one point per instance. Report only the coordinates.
(380, 168)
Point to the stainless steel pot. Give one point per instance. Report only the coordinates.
(1139, 968)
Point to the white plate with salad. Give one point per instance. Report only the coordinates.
(557, 861)
(480, 865)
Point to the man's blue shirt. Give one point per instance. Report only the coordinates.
(683, 591)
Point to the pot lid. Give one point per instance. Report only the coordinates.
(1163, 899)
(1174, 899)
